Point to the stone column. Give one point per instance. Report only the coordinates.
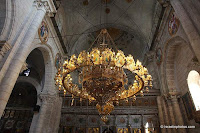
(177, 112)
(13, 71)
(4, 47)
(160, 113)
(42, 113)
(58, 114)
(150, 64)
(171, 114)
(188, 26)
(49, 115)
(166, 115)
(194, 13)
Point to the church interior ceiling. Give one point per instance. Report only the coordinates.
(131, 21)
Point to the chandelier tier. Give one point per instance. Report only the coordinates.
(102, 76)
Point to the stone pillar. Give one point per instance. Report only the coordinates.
(13, 71)
(4, 47)
(177, 112)
(41, 118)
(188, 26)
(166, 115)
(160, 113)
(150, 64)
(194, 13)
(49, 115)
(171, 114)
(58, 114)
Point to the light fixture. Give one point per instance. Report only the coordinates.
(103, 75)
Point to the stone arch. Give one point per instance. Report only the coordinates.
(168, 67)
(6, 17)
(32, 81)
(49, 68)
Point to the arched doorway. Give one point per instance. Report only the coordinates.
(23, 100)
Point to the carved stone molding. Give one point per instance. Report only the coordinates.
(117, 111)
(4, 48)
(172, 96)
(48, 5)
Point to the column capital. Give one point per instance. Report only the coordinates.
(48, 5)
(171, 96)
(4, 47)
(48, 98)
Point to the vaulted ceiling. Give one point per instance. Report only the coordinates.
(133, 20)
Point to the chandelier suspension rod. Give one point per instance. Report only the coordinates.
(94, 42)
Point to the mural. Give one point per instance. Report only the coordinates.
(158, 56)
(43, 32)
(173, 24)
(58, 60)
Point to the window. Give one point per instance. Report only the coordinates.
(194, 87)
(27, 72)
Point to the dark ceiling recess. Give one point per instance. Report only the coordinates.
(56, 28)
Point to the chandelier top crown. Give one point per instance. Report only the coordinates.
(104, 40)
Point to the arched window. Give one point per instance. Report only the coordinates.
(194, 87)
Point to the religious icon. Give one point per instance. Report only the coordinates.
(136, 130)
(43, 32)
(122, 130)
(173, 24)
(158, 56)
(58, 60)
(93, 130)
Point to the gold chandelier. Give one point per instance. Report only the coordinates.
(102, 76)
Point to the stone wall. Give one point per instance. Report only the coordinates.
(178, 54)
